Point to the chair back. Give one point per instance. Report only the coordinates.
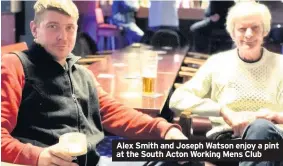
(147, 37)
(99, 17)
(165, 37)
(14, 47)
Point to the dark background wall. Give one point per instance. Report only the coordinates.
(29, 14)
(5, 6)
(17, 21)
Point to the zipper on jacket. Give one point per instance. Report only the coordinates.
(74, 98)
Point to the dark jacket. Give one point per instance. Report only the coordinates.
(62, 101)
(219, 7)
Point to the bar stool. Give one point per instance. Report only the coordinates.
(105, 30)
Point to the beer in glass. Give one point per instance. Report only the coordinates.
(149, 72)
(148, 83)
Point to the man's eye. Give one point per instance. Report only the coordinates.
(70, 28)
(255, 28)
(52, 26)
(242, 29)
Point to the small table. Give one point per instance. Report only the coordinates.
(111, 75)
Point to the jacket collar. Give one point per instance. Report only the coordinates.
(39, 55)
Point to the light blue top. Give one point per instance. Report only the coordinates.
(163, 13)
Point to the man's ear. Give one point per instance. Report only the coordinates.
(33, 29)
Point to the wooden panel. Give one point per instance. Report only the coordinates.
(186, 74)
(89, 59)
(198, 55)
(191, 13)
(193, 61)
(197, 61)
(111, 75)
(189, 69)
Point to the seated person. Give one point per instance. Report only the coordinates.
(123, 15)
(215, 18)
(241, 84)
(45, 95)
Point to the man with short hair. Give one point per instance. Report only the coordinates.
(45, 95)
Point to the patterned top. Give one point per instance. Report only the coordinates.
(227, 80)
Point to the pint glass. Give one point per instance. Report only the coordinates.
(74, 143)
(149, 72)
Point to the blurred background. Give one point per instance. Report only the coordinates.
(16, 15)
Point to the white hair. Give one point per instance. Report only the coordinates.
(248, 8)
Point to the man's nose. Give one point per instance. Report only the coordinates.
(249, 33)
(62, 34)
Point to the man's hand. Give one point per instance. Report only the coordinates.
(214, 18)
(237, 120)
(55, 156)
(175, 133)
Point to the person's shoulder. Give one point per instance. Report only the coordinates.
(81, 68)
(84, 70)
(10, 59)
(223, 56)
(277, 56)
(274, 58)
(11, 65)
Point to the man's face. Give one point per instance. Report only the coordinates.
(56, 32)
(249, 33)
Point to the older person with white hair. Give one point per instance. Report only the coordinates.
(243, 85)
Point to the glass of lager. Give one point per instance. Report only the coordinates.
(149, 72)
(74, 143)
